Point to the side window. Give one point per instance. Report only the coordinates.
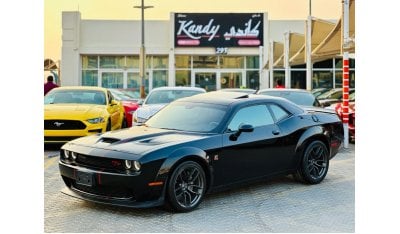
(278, 112)
(257, 115)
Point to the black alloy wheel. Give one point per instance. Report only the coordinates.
(186, 187)
(315, 163)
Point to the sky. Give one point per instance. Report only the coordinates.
(123, 10)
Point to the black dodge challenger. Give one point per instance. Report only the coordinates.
(200, 144)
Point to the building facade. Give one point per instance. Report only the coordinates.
(209, 50)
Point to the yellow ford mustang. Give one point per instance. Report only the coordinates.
(72, 112)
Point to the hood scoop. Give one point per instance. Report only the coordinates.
(109, 140)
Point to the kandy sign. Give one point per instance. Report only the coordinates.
(219, 29)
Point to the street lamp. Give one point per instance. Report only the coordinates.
(142, 56)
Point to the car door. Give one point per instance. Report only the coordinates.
(114, 110)
(253, 154)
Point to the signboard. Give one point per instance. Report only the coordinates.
(220, 30)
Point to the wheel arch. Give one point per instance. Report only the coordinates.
(311, 134)
(182, 155)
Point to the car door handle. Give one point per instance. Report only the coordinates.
(276, 132)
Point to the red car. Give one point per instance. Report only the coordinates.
(352, 115)
(130, 105)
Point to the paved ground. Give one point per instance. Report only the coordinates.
(281, 205)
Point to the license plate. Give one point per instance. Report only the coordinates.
(84, 178)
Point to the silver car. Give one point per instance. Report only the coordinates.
(160, 97)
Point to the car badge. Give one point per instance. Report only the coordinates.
(58, 124)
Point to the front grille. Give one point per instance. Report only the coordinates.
(106, 191)
(100, 163)
(60, 124)
(63, 139)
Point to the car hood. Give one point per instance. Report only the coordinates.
(74, 111)
(137, 140)
(146, 111)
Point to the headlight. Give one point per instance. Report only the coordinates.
(96, 120)
(73, 155)
(128, 164)
(67, 154)
(135, 165)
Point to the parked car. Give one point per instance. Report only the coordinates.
(299, 96)
(249, 91)
(332, 96)
(352, 114)
(158, 98)
(130, 105)
(318, 91)
(72, 112)
(200, 144)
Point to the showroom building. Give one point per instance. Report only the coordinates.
(209, 50)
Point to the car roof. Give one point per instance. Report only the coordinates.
(81, 88)
(228, 98)
(285, 90)
(179, 88)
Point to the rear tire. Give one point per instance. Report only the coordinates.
(314, 164)
(186, 187)
(124, 123)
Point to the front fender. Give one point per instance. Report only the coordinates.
(180, 155)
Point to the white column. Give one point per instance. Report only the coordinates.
(308, 54)
(286, 59)
(171, 54)
(271, 64)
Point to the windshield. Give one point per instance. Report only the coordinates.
(75, 96)
(167, 96)
(118, 95)
(185, 116)
(300, 98)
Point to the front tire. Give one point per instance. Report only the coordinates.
(108, 128)
(186, 187)
(315, 163)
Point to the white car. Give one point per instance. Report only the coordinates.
(160, 97)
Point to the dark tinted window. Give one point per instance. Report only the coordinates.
(278, 112)
(255, 115)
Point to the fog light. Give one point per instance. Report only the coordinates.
(128, 164)
(136, 165)
(73, 155)
(66, 154)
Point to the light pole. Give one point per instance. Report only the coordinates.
(142, 56)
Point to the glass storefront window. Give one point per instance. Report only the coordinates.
(112, 61)
(322, 79)
(205, 62)
(160, 79)
(134, 82)
(132, 61)
(279, 75)
(182, 78)
(231, 80)
(160, 62)
(89, 78)
(253, 62)
(252, 80)
(182, 61)
(89, 62)
(231, 61)
(324, 64)
(298, 79)
(352, 78)
(338, 79)
(206, 80)
(112, 79)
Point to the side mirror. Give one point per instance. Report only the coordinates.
(242, 128)
(140, 102)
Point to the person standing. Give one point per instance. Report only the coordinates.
(49, 85)
(279, 84)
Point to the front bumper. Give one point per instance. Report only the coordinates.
(62, 136)
(128, 190)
